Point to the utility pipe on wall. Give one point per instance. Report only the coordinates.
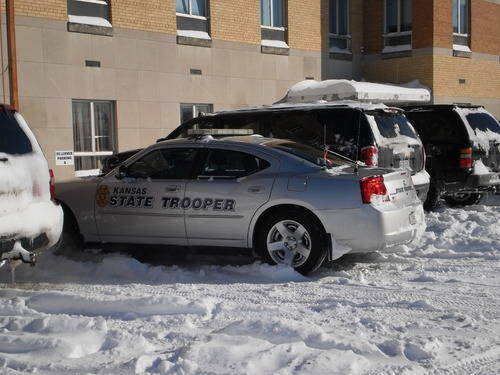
(11, 48)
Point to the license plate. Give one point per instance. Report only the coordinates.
(413, 218)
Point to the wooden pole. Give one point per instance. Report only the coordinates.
(12, 55)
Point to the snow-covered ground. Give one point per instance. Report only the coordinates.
(431, 308)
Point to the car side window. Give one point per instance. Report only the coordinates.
(164, 164)
(227, 164)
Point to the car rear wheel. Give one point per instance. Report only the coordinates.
(433, 195)
(294, 238)
(463, 199)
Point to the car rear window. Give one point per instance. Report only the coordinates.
(483, 122)
(390, 126)
(13, 140)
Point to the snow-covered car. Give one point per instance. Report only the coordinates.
(30, 219)
(287, 201)
(375, 134)
(463, 147)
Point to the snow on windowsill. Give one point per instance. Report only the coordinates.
(458, 47)
(273, 43)
(94, 21)
(400, 48)
(194, 34)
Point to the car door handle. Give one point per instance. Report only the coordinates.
(172, 188)
(255, 189)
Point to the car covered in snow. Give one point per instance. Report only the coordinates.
(286, 201)
(463, 151)
(30, 219)
(375, 134)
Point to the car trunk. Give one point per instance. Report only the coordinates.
(486, 140)
(18, 166)
(398, 144)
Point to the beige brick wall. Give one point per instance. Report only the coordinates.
(485, 27)
(155, 15)
(235, 20)
(304, 24)
(482, 77)
(400, 70)
(53, 9)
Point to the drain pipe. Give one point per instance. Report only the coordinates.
(12, 55)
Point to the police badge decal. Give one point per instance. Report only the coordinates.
(102, 196)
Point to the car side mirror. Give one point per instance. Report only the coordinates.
(122, 172)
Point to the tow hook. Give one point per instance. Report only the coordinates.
(15, 257)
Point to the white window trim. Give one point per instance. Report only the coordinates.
(271, 12)
(190, 14)
(90, 172)
(399, 32)
(101, 2)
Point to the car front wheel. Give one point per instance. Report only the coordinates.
(293, 238)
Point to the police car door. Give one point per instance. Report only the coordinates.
(136, 209)
(229, 189)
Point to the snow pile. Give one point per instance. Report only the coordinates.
(428, 308)
(341, 89)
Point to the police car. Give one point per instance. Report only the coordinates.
(288, 202)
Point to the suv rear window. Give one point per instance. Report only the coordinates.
(13, 140)
(483, 122)
(388, 123)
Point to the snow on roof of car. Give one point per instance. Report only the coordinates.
(340, 89)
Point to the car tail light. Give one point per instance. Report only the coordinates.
(371, 186)
(369, 155)
(465, 160)
(52, 183)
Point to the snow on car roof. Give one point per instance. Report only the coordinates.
(340, 89)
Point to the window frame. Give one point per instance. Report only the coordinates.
(195, 109)
(94, 153)
(459, 18)
(271, 13)
(387, 35)
(106, 3)
(190, 14)
(337, 35)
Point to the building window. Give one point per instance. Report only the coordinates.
(89, 12)
(273, 30)
(272, 13)
(192, 110)
(397, 25)
(461, 25)
(192, 23)
(93, 134)
(340, 40)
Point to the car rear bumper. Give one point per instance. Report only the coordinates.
(37, 227)
(368, 228)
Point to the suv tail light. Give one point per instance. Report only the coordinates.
(52, 183)
(465, 160)
(371, 186)
(369, 155)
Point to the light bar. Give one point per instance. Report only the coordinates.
(220, 131)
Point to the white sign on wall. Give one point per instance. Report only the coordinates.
(65, 158)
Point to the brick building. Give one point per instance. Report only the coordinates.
(100, 76)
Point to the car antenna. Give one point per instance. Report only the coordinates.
(356, 166)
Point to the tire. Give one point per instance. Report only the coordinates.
(279, 228)
(70, 242)
(463, 199)
(433, 195)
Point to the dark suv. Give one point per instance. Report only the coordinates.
(462, 143)
(372, 133)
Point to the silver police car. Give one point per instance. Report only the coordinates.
(288, 202)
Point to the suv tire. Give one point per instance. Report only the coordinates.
(280, 228)
(463, 199)
(433, 195)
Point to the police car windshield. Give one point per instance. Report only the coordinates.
(311, 154)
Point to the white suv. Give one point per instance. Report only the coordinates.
(30, 220)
